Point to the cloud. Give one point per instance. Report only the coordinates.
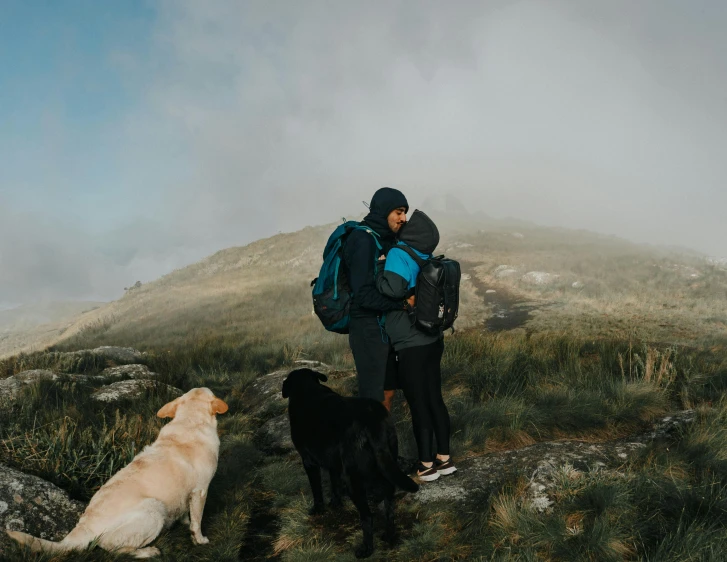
(255, 117)
(594, 120)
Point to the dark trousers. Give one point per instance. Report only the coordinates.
(375, 359)
(420, 377)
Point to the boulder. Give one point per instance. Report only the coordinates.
(266, 391)
(130, 371)
(539, 278)
(10, 387)
(502, 271)
(120, 355)
(274, 435)
(32, 505)
(131, 389)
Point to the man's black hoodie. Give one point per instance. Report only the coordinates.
(360, 255)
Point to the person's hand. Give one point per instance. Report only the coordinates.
(411, 300)
(382, 257)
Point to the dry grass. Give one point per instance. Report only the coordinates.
(638, 340)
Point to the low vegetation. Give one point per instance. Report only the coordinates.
(639, 341)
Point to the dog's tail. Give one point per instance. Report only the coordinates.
(387, 463)
(38, 545)
(76, 539)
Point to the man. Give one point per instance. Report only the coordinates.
(374, 356)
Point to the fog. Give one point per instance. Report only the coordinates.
(242, 119)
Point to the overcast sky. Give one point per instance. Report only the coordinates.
(140, 136)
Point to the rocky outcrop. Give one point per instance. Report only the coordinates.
(119, 355)
(10, 387)
(132, 389)
(503, 271)
(274, 435)
(539, 278)
(265, 392)
(32, 505)
(131, 371)
(542, 463)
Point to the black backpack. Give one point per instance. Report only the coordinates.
(436, 291)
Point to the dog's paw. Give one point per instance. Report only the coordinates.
(317, 509)
(200, 539)
(364, 550)
(148, 552)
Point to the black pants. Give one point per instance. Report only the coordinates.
(376, 365)
(420, 377)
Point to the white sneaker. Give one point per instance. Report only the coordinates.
(427, 474)
(445, 467)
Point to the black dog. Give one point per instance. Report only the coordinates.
(349, 437)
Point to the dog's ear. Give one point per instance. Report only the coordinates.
(218, 406)
(322, 377)
(286, 393)
(169, 410)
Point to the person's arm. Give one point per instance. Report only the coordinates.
(359, 254)
(392, 279)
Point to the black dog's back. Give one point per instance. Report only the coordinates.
(373, 442)
(347, 436)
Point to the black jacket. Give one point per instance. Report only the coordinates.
(398, 277)
(360, 256)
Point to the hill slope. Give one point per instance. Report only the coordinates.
(552, 279)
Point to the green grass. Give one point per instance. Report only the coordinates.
(503, 390)
(669, 503)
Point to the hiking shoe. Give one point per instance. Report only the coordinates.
(445, 467)
(427, 474)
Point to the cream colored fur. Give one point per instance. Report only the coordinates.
(167, 481)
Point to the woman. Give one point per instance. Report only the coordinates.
(420, 354)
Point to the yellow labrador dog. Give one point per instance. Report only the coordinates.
(167, 481)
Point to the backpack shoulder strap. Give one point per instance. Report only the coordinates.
(420, 262)
(374, 234)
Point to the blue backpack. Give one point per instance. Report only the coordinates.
(331, 291)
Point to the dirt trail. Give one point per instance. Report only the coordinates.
(507, 309)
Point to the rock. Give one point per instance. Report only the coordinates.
(131, 371)
(10, 386)
(266, 390)
(311, 364)
(490, 291)
(466, 276)
(131, 389)
(539, 278)
(577, 285)
(502, 271)
(86, 360)
(543, 463)
(121, 355)
(32, 505)
(274, 434)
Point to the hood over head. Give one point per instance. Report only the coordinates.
(383, 202)
(420, 233)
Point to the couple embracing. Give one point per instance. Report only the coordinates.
(389, 349)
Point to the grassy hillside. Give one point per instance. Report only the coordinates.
(641, 336)
(35, 326)
(623, 290)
